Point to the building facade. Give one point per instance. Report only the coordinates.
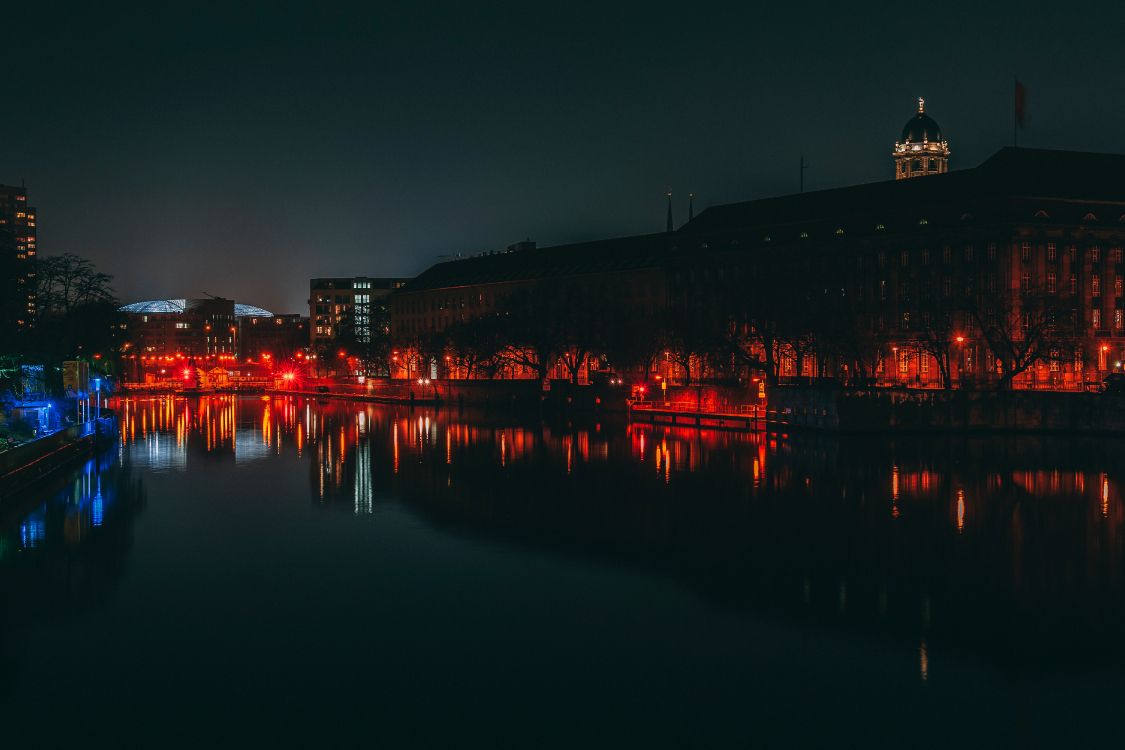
(1007, 272)
(206, 333)
(348, 307)
(573, 298)
(18, 251)
(275, 337)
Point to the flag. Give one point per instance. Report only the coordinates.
(1021, 103)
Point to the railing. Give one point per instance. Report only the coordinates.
(691, 407)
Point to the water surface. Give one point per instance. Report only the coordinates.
(287, 572)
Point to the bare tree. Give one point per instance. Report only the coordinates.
(68, 281)
(1020, 332)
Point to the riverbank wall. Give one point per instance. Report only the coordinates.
(22, 466)
(482, 393)
(902, 410)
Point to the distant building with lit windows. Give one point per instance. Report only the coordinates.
(349, 306)
(205, 332)
(921, 150)
(18, 303)
(279, 336)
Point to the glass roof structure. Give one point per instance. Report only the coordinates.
(179, 305)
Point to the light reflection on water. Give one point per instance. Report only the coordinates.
(943, 552)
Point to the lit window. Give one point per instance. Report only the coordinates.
(1097, 318)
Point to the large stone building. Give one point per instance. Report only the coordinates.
(1009, 271)
(18, 303)
(963, 276)
(602, 284)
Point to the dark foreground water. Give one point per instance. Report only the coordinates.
(281, 572)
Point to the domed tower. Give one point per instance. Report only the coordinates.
(921, 150)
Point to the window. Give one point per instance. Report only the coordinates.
(1096, 284)
(1051, 282)
(1095, 255)
(1074, 283)
(1052, 252)
(992, 251)
(1025, 251)
(1118, 285)
(1053, 359)
(924, 364)
(925, 257)
(905, 258)
(883, 291)
(969, 253)
(1078, 359)
(1025, 282)
(905, 321)
(946, 254)
(1117, 256)
(1119, 319)
(903, 362)
(1097, 318)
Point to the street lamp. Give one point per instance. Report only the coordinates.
(98, 388)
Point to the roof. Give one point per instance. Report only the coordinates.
(155, 306)
(921, 127)
(1071, 176)
(602, 256)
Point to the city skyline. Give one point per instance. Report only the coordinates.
(209, 159)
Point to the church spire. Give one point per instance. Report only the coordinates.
(669, 228)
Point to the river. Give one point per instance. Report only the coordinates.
(282, 571)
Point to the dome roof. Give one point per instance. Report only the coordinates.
(181, 305)
(921, 127)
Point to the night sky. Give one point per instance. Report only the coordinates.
(240, 151)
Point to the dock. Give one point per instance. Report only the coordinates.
(744, 418)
